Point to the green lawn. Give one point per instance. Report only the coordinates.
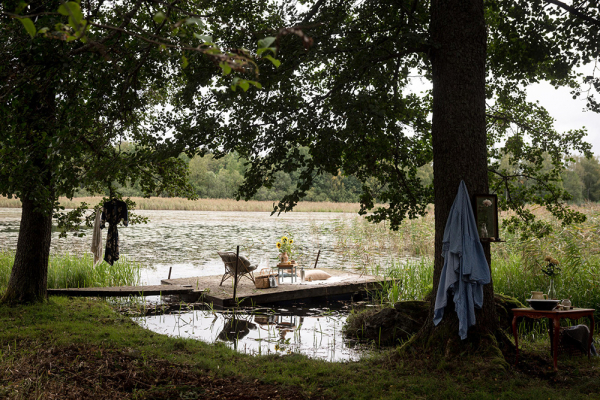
(71, 348)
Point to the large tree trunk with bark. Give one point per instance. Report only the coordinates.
(29, 277)
(459, 144)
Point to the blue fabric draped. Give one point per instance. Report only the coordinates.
(465, 268)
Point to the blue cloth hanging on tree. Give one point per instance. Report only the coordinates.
(465, 268)
(113, 212)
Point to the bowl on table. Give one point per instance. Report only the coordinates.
(542, 304)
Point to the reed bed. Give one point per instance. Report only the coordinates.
(405, 281)
(177, 203)
(407, 256)
(77, 271)
(365, 244)
(517, 264)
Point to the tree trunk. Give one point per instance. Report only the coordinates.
(29, 277)
(458, 56)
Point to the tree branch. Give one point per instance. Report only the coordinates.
(574, 11)
(312, 12)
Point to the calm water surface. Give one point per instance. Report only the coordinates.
(188, 242)
(315, 332)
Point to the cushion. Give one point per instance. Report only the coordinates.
(315, 275)
(245, 261)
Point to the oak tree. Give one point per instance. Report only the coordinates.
(350, 101)
(84, 89)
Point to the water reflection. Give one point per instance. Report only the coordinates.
(235, 328)
(316, 333)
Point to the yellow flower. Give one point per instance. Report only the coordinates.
(284, 239)
(291, 241)
(278, 245)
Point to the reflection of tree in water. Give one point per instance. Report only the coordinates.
(235, 328)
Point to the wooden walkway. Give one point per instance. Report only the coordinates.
(122, 291)
(341, 284)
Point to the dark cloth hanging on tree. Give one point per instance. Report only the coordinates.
(113, 212)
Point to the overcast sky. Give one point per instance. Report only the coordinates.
(568, 113)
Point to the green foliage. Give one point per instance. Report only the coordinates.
(528, 168)
(582, 179)
(517, 264)
(77, 271)
(67, 128)
(351, 104)
(29, 26)
(405, 281)
(72, 328)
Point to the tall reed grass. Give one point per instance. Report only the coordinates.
(516, 264)
(76, 271)
(177, 203)
(364, 244)
(405, 281)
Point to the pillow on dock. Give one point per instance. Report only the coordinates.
(315, 275)
(244, 261)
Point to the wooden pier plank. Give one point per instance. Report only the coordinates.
(346, 283)
(122, 291)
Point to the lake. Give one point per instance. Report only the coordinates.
(188, 241)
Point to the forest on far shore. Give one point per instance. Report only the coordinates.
(219, 178)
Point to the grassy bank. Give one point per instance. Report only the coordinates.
(163, 203)
(82, 349)
(73, 271)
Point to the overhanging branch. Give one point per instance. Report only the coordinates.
(572, 10)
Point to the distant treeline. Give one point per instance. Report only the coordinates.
(582, 179)
(220, 178)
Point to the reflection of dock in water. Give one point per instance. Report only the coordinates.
(341, 285)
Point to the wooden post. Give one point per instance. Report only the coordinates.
(318, 254)
(235, 278)
(170, 268)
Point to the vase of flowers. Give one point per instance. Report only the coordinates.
(551, 269)
(286, 248)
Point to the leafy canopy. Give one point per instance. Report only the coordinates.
(350, 101)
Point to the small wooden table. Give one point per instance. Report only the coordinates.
(554, 316)
(284, 270)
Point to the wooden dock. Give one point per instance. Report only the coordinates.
(123, 291)
(341, 284)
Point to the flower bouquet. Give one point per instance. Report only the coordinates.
(286, 248)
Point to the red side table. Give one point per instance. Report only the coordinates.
(554, 317)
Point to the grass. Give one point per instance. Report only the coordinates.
(71, 348)
(77, 271)
(406, 281)
(516, 264)
(77, 348)
(177, 203)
